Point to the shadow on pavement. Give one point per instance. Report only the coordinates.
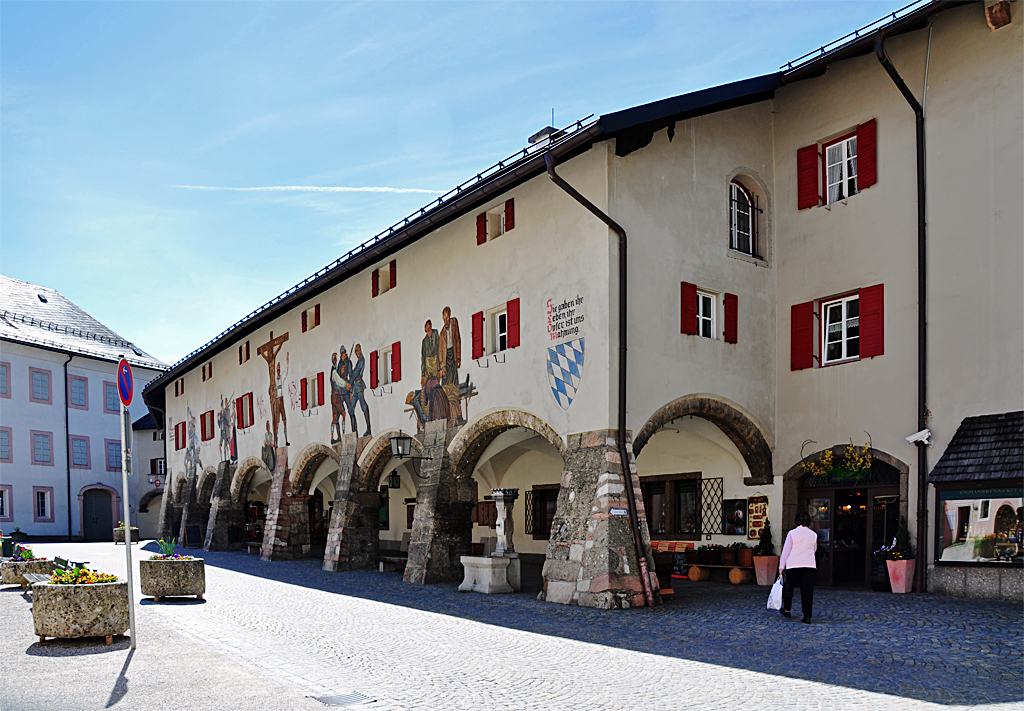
(121, 684)
(78, 647)
(942, 650)
(172, 601)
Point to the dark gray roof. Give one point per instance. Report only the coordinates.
(37, 316)
(984, 447)
(146, 422)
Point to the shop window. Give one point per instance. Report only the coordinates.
(676, 508)
(980, 526)
(541, 506)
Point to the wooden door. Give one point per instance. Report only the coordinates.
(98, 524)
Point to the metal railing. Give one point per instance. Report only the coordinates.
(888, 19)
(11, 317)
(507, 164)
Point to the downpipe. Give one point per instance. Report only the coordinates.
(634, 519)
(67, 438)
(922, 310)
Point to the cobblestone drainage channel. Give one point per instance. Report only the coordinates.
(353, 698)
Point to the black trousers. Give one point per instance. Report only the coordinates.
(802, 578)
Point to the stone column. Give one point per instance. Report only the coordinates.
(352, 540)
(190, 511)
(165, 524)
(504, 499)
(225, 513)
(591, 560)
(442, 529)
(282, 540)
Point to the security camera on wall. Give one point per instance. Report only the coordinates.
(924, 436)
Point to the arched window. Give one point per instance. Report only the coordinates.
(742, 220)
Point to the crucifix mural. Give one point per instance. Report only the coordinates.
(269, 351)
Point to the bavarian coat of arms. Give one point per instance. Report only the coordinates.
(565, 365)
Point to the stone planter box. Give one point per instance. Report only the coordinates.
(119, 535)
(172, 578)
(68, 611)
(901, 575)
(11, 571)
(766, 568)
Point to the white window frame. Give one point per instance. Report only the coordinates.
(161, 467)
(3, 502)
(500, 334)
(985, 506)
(735, 211)
(846, 324)
(496, 222)
(840, 158)
(707, 313)
(44, 497)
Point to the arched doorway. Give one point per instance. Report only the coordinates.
(388, 500)
(854, 512)
(510, 450)
(250, 490)
(314, 478)
(98, 510)
(149, 514)
(205, 497)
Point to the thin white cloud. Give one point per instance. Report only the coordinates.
(311, 189)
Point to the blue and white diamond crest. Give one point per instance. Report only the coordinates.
(565, 367)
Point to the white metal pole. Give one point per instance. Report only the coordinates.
(127, 522)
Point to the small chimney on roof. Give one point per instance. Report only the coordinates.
(545, 135)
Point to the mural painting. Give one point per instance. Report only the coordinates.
(565, 361)
(347, 391)
(192, 462)
(278, 413)
(228, 432)
(441, 395)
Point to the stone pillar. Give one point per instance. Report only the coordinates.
(352, 540)
(165, 524)
(591, 560)
(442, 529)
(190, 510)
(225, 513)
(504, 500)
(278, 540)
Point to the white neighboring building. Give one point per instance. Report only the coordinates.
(60, 466)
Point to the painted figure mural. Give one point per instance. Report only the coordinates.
(192, 461)
(228, 432)
(347, 388)
(441, 394)
(278, 412)
(268, 453)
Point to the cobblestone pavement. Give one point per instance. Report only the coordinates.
(715, 647)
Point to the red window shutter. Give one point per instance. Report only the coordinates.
(481, 228)
(248, 423)
(202, 426)
(209, 369)
(302, 393)
(373, 370)
(872, 317)
(247, 350)
(240, 355)
(807, 177)
(688, 297)
(410, 514)
(393, 278)
(320, 389)
(867, 162)
(375, 283)
(512, 307)
(801, 350)
(510, 214)
(152, 467)
(303, 321)
(396, 361)
(478, 335)
(316, 320)
(238, 412)
(730, 317)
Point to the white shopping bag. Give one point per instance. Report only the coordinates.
(775, 596)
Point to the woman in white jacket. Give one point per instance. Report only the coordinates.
(798, 566)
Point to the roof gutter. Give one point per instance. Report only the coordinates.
(627, 472)
(922, 305)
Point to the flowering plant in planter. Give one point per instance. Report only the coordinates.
(711, 547)
(739, 545)
(26, 554)
(900, 548)
(80, 576)
(167, 551)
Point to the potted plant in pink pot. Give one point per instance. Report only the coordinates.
(766, 563)
(900, 560)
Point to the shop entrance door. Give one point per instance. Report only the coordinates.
(818, 504)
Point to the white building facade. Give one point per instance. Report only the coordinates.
(60, 426)
(772, 326)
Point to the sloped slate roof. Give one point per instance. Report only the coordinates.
(37, 316)
(146, 422)
(984, 447)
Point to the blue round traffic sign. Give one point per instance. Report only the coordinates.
(125, 384)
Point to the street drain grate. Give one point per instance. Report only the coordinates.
(353, 698)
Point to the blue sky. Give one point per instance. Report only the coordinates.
(106, 109)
